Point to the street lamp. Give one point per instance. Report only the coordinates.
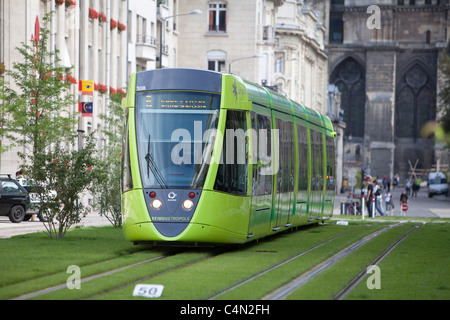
(243, 58)
(163, 23)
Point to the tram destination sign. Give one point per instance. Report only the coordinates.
(182, 104)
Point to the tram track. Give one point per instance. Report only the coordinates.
(144, 279)
(116, 282)
(96, 276)
(341, 295)
(86, 279)
(278, 265)
(284, 291)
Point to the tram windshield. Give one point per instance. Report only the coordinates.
(175, 136)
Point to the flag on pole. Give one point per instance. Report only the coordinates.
(86, 109)
(86, 87)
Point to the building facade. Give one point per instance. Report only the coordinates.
(276, 43)
(383, 57)
(142, 35)
(91, 38)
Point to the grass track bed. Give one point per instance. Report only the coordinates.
(224, 271)
(122, 278)
(416, 269)
(269, 282)
(327, 284)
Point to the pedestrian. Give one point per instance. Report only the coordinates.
(403, 198)
(369, 196)
(408, 188)
(415, 188)
(389, 202)
(396, 180)
(378, 197)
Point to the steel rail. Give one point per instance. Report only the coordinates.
(83, 280)
(281, 264)
(341, 295)
(155, 275)
(295, 284)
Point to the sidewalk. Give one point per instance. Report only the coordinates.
(8, 229)
(420, 206)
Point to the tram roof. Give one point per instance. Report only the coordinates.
(260, 95)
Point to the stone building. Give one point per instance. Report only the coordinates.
(278, 43)
(91, 38)
(383, 57)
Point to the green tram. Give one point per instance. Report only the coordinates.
(211, 158)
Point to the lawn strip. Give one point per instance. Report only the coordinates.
(327, 284)
(205, 279)
(119, 279)
(417, 269)
(38, 255)
(275, 279)
(80, 251)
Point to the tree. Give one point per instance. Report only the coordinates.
(444, 132)
(38, 117)
(106, 184)
(441, 128)
(68, 173)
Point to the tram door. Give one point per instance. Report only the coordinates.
(285, 177)
(261, 206)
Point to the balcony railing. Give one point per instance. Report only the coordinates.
(146, 40)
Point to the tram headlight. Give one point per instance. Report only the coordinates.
(156, 204)
(188, 205)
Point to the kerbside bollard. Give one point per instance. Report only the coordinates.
(362, 207)
(373, 207)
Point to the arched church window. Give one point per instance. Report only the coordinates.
(349, 78)
(416, 102)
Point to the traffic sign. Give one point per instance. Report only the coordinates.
(405, 207)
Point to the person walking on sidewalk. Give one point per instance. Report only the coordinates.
(369, 196)
(403, 198)
(378, 197)
(389, 202)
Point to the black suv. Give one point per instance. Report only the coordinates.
(14, 199)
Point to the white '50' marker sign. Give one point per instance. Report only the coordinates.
(148, 290)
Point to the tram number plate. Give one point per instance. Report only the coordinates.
(148, 290)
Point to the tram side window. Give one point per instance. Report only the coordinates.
(317, 160)
(127, 182)
(331, 164)
(262, 126)
(286, 163)
(303, 157)
(232, 173)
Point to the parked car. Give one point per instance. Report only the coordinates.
(35, 207)
(14, 199)
(437, 184)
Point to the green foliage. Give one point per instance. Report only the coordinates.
(36, 114)
(68, 173)
(106, 182)
(443, 132)
(38, 117)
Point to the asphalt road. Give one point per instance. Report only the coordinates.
(420, 206)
